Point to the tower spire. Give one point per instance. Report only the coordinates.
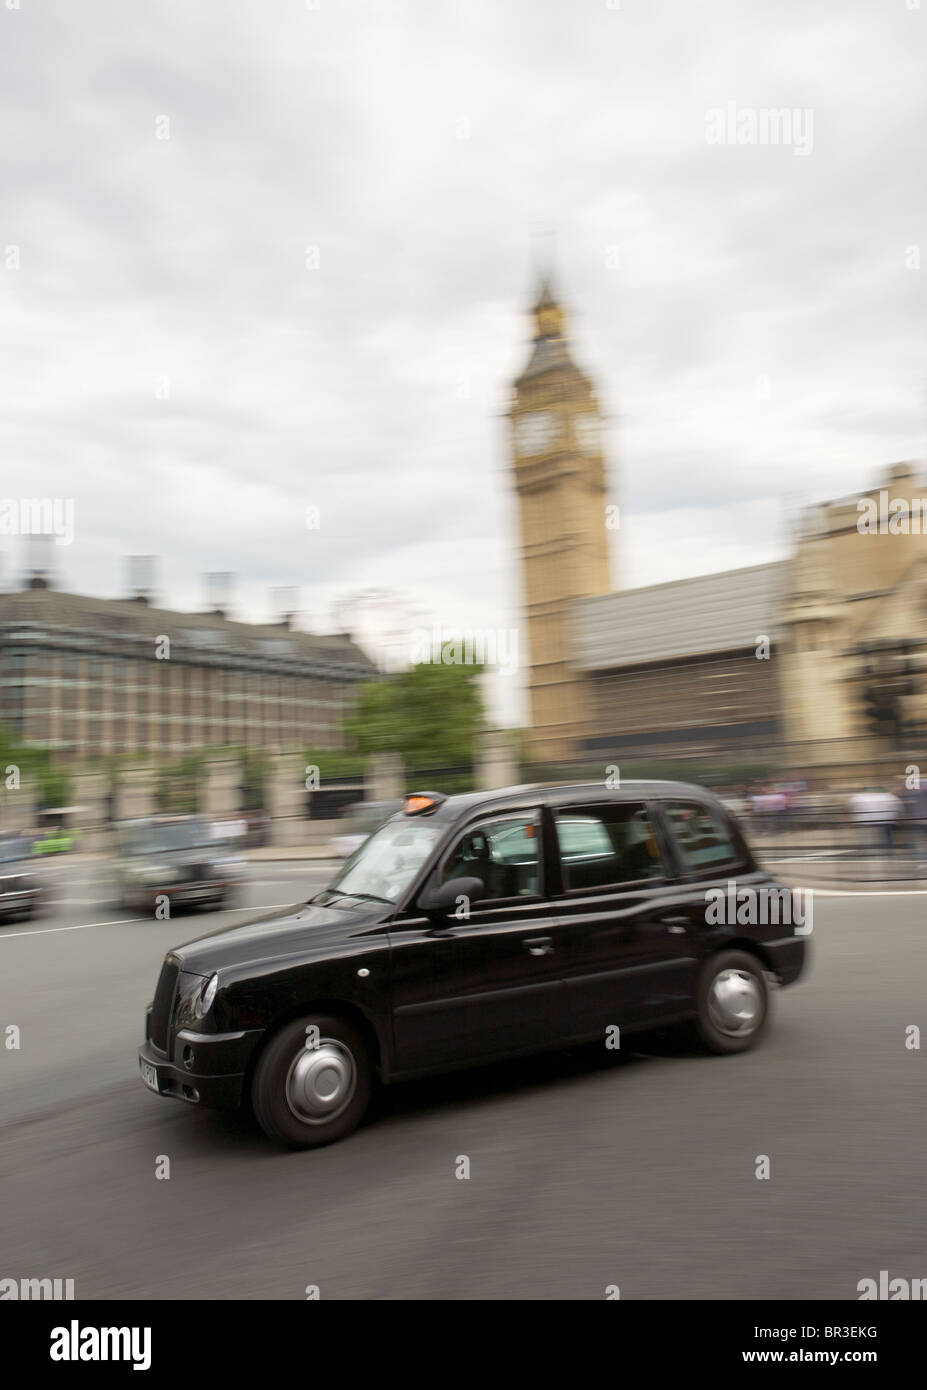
(549, 318)
(547, 309)
(559, 474)
(551, 352)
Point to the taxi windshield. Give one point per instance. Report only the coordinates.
(386, 864)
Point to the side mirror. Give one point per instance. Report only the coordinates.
(442, 901)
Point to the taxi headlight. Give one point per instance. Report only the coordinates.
(206, 995)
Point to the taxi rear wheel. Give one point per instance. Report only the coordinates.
(733, 1002)
(313, 1082)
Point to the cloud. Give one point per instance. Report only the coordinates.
(313, 292)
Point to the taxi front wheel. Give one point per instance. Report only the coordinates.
(732, 1001)
(313, 1082)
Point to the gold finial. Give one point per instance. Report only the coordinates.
(549, 318)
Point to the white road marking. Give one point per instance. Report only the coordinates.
(81, 926)
(96, 902)
(870, 892)
(120, 922)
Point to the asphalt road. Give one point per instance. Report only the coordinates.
(587, 1169)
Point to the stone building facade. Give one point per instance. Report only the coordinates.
(818, 660)
(684, 667)
(90, 678)
(854, 625)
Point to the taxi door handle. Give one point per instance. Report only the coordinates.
(674, 923)
(539, 945)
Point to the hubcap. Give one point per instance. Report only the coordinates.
(734, 1002)
(321, 1082)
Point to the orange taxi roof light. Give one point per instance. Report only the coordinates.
(419, 803)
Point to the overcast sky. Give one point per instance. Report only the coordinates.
(313, 293)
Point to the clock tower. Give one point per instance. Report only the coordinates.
(559, 473)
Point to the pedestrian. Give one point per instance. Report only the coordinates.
(877, 812)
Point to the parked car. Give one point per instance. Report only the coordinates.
(177, 857)
(360, 821)
(468, 929)
(22, 893)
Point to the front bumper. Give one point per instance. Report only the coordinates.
(789, 957)
(211, 890)
(23, 900)
(209, 1068)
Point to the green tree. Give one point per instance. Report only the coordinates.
(54, 783)
(335, 765)
(253, 783)
(430, 714)
(11, 751)
(179, 784)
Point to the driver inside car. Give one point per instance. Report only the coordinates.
(473, 859)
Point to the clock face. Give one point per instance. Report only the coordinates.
(586, 432)
(535, 431)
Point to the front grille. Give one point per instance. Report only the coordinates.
(163, 1005)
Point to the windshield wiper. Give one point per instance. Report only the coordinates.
(369, 898)
(330, 897)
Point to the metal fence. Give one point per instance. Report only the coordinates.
(835, 846)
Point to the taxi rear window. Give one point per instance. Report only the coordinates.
(601, 846)
(703, 839)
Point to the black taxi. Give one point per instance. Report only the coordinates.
(471, 928)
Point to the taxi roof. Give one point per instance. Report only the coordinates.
(453, 808)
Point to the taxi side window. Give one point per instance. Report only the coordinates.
(605, 845)
(504, 854)
(703, 839)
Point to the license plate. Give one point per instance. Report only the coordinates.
(149, 1075)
